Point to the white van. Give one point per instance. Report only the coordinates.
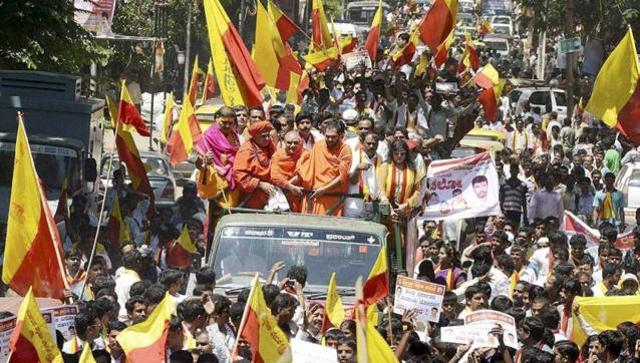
(546, 99)
(499, 44)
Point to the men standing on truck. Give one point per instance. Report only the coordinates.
(251, 168)
(284, 169)
(327, 172)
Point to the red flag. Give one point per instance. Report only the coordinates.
(438, 22)
(128, 113)
(373, 39)
(286, 26)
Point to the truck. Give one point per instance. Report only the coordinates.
(64, 130)
(248, 243)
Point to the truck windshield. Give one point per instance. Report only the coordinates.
(362, 15)
(54, 164)
(242, 251)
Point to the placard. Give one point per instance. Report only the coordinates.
(63, 319)
(423, 297)
(476, 329)
(462, 188)
(305, 352)
(6, 328)
(354, 59)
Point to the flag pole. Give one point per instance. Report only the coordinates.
(102, 205)
(234, 351)
(361, 321)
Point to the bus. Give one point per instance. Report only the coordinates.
(362, 12)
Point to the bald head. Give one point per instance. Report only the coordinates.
(291, 142)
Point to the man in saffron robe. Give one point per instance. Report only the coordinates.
(251, 168)
(284, 169)
(327, 172)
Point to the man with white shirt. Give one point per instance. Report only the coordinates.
(611, 274)
(128, 277)
(543, 260)
(88, 328)
(363, 175)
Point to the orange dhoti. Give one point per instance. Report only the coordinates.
(283, 169)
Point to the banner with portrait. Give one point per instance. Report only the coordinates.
(462, 188)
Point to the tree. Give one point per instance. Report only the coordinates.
(43, 35)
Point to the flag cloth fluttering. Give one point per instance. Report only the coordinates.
(33, 250)
(238, 77)
(31, 340)
(616, 93)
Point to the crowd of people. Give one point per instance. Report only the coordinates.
(368, 136)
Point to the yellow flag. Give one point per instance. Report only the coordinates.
(616, 82)
(264, 48)
(184, 127)
(185, 240)
(604, 313)
(87, 354)
(32, 333)
(167, 122)
(377, 348)
(334, 309)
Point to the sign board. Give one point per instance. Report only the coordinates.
(354, 59)
(95, 15)
(570, 45)
(462, 188)
(6, 328)
(423, 297)
(477, 326)
(64, 319)
(305, 352)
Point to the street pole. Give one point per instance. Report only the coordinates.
(570, 59)
(187, 48)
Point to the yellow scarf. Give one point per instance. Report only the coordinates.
(608, 211)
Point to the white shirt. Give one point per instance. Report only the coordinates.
(123, 285)
(354, 207)
(499, 283)
(539, 263)
(222, 344)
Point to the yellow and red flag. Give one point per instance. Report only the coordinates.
(146, 341)
(238, 77)
(490, 100)
(30, 340)
(347, 44)
(117, 228)
(487, 77)
(323, 50)
(129, 155)
(260, 329)
(438, 23)
(470, 58)
(179, 251)
(185, 136)
(167, 121)
(128, 113)
(616, 93)
(286, 27)
(373, 38)
(405, 54)
(32, 252)
(196, 73)
(209, 90)
(371, 345)
(333, 309)
(273, 55)
(443, 51)
(377, 285)
(484, 28)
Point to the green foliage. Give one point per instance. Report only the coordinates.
(44, 36)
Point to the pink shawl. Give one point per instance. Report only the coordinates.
(214, 140)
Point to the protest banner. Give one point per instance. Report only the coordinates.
(354, 59)
(64, 319)
(423, 297)
(477, 326)
(6, 328)
(305, 352)
(574, 225)
(462, 188)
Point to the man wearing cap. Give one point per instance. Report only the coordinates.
(350, 118)
(284, 169)
(327, 171)
(251, 168)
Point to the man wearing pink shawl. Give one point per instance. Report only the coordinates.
(218, 147)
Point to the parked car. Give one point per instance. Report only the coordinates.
(546, 99)
(158, 171)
